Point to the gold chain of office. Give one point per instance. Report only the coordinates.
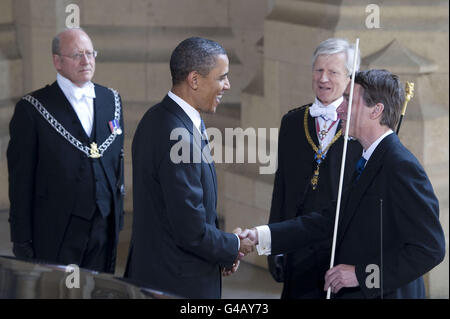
(320, 155)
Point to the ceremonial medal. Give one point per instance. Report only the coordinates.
(319, 155)
(115, 127)
(323, 133)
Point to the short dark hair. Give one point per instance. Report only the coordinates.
(194, 54)
(381, 86)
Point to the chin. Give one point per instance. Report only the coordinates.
(84, 80)
(213, 108)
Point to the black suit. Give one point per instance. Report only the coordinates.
(394, 189)
(304, 270)
(176, 245)
(52, 185)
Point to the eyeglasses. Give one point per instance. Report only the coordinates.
(79, 56)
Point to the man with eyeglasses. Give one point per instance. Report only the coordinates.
(65, 163)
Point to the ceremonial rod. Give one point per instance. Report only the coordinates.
(344, 153)
(409, 93)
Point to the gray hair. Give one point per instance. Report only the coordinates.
(337, 45)
(194, 54)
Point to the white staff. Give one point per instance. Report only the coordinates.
(344, 153)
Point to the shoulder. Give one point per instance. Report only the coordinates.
(43, 92)
(400, 159)
(100, 89)
(294, 116)
(300, 109)
(42, 95)
(296, 112)
(157, 118)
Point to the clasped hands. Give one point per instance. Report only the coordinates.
(336, 278)
(248, 239)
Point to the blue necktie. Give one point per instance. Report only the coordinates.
(360, 166)
(203, 131)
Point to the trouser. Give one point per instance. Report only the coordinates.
(98, 253)
(90, 243)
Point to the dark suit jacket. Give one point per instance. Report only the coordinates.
(51, 182)
(393, 203)
(176, 245)
(293, 196)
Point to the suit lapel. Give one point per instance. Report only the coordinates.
(359, 188)
(312, 130)
(175, 109)
(63, 111)
(101, 118)
(334, 158)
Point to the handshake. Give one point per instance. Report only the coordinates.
(248, 240)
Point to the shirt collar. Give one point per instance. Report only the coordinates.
(325, 112)
(334, 105)
(73, 91)
(368, 153)
(193, 114)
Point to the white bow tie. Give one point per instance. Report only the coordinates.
(87, 90)
(328, 113)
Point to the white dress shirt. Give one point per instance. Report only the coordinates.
(368, 153)
(193, 114)
(81, 99)
(264, 246)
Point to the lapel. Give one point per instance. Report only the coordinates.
(101, 117)
(175, 109)
(357, 191)
(334, 158)
(312, 129)
(62, 110)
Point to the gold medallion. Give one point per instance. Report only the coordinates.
(94, 151)
(315, 178)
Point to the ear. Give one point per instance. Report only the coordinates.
(192, 79)
(57, 62)
(377, 111)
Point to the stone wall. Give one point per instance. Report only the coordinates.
(11, 87)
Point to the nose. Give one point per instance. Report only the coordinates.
(227, 84)
(323, 77)
(84, 59)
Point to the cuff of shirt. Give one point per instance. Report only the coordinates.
(264, 246)
(239, 241)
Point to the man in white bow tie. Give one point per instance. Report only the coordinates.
(309, 160)
(65, 163)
